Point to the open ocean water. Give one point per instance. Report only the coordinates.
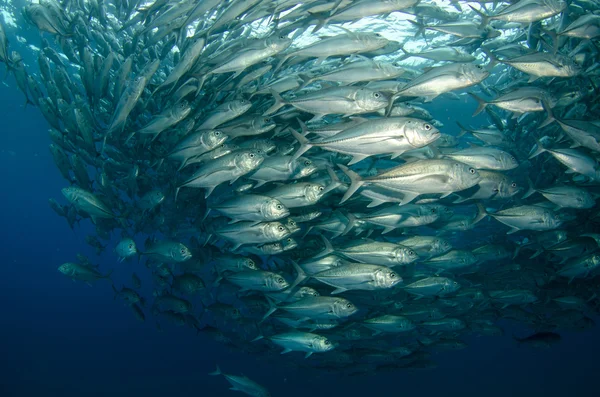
(65, 338)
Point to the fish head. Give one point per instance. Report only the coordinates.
(507, 161)
(126, 248)
(551, 219)
(240, 106)
(387, 278)
(441, 245)
(343, 308)
(464, 176)
(474, 73)
(314, 191)
(248, 264)
(263, 124)
(273, 209)
(405, 255)
(181, 110)
(304, 292)
(508, 188)
(276, 231)
(584, 200)
(450, 285)
(249, 159)
(66, 268)
(446, 140)
(71, 193)
(491, 33)
(289, 244)
(180, 253)
(275, 282)
(421, 133)
(155, 197)
(305, 167)
(213, 138)
(370, 100)
(391, 70)
(322, 344)
(292, 225)
(279, 42)
(373, 41)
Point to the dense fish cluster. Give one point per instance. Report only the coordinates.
(274, 167)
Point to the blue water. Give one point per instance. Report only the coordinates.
(60, 338)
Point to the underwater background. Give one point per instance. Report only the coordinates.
(62, 338)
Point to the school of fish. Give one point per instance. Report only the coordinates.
(274, 168)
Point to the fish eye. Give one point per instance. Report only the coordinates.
(392, 275)
(289, 240)
(478, 67)
(251, 155)
(267, 120)
(433, 211)
(279, 206)
(327, 343)
(280, 280)
(411, 252)
(321, 188)
(513, 158)
(130, 246)
(217, 133)
(349, 305)
(427, 127)
(282, 36)
(307, 162)
(472, 170)
(513, 184)
(292, 222)
(280, 228)
(376, 95)
(378, 35)
(183, 250)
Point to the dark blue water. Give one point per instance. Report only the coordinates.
(60, 338)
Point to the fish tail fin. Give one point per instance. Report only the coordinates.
(484, 18)
(406, 53)
(493, 60)
(531, 190)
(328, 247)
(481, 213)
(481, 104)
(279, 103)
(420, 28)
(322, 20)
(206, 214)
(351, 223)
(539, 150)
(216, 372)
(355, 182)
(272, 309)
(281, 62)
(306, 80)
(550, 116)
(301, 275)
(463, 130)
(305, 144)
